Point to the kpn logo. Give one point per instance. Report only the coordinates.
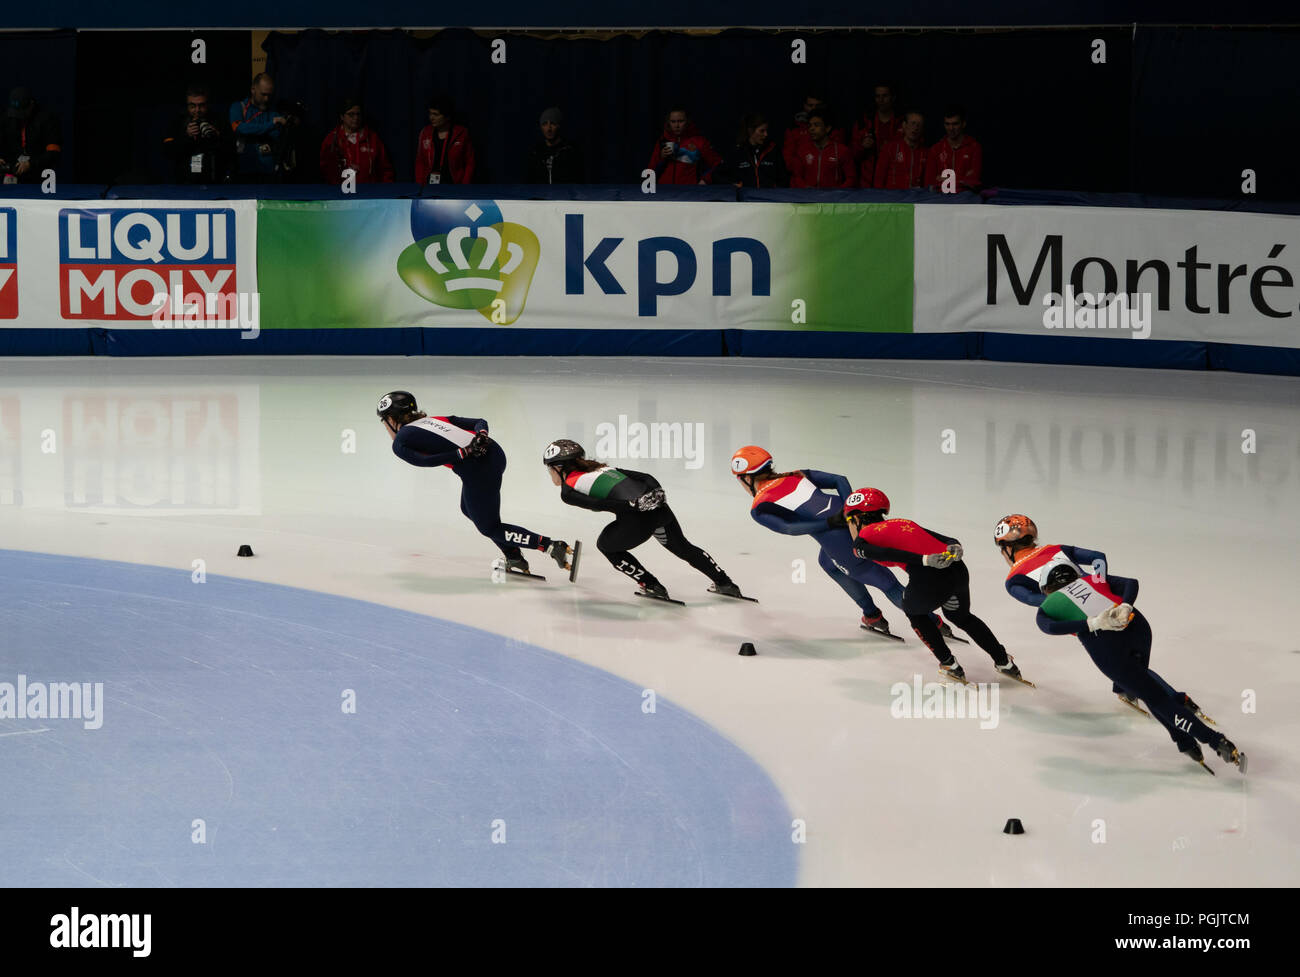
(467, 256)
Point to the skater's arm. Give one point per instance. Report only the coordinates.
(783, 521)
(1089, 561)
(1125, 588)
(474, 424)
(405, 449)
(1048, 626)
(1023, 589)
(870, 551)
(828, 480)
(941, 537)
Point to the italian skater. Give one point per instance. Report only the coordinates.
(640, 511)
(1075, 594)
(463, 445)
(807, 502)
(936, 577)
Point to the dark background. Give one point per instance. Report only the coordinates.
(1178, 111)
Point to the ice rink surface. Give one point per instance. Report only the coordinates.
(571, 734)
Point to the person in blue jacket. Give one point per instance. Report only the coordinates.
(1076, 594)
(463, 445)
(808, 503)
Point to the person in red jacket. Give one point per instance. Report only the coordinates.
(443, 153)
(355, 146)
(901, 165)
(873, 131)
(956, 151)
(681, 154)
(794, 137)
(823, 162)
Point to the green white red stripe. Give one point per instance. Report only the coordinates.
(597, 484)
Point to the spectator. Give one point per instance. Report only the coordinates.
(884, 123)
(874, 130)
(354, 145)
(682, 155)
(30, 139)
(444, 153)
(901, 165)
(259, 132)
(956, 151)
(198, 151)
(824, 162)
(794, 138)
(553, 159)
(755, 161)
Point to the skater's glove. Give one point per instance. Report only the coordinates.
(837, 521)
(955, 550)
(940, 561)
(1114, 618)
(479, 446)
(651, 501)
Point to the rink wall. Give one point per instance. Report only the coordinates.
(685, 271)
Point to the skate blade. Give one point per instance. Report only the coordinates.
(524, 573)
(953, 637)
(954, 678)
(573, 562)
(881, 634)
(1207, 768)
(1022, 681)
(752, 600)
(666, 600)
(1136, 708)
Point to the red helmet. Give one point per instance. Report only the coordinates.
(750, 460)
(866, 500)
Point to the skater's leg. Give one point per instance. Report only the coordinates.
(957, 607)
(668, 532)
(480, 501)
(856, 590)
(1127, 653)
(618, 539)
(924, 592)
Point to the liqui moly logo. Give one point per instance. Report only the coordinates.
(115, 264)
(8, 263)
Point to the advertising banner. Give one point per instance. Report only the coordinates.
(1202, 276)
(128, 264)
(592, 265)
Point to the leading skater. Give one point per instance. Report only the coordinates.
(936, 577)
(640, 511)
(1076, 595)
(463, 445)
(807, 502)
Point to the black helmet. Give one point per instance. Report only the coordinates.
(562, 453)
(1060, 576)
(397, 404)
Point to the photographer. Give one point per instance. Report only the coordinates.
(259, 132)
(197, 150)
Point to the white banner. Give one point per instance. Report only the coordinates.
(1204, 276)
(129, 264)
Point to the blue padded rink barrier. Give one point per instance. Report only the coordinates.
(523, 702)
(224, 703)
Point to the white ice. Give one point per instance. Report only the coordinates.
(171, 460)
